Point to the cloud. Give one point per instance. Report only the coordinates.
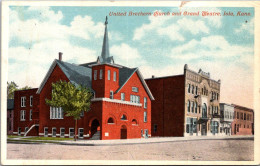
(210, 47)
(246, 27)
(176, 27)
(126, 55)
(29, 66)
(47, 26)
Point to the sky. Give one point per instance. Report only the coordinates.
(157, 45)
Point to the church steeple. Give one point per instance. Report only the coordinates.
(105, 57)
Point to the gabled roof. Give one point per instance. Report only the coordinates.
(10, 104)
(78, 75)
(126, 73)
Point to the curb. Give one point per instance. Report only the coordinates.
(114, 144)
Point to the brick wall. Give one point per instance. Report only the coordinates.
(168, 106)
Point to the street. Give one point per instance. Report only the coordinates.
(225, 150)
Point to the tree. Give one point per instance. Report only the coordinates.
(73, 99)
(11, 87)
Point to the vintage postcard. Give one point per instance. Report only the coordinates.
(127, 82)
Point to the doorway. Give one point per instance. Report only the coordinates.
(204, 128)
(123, 132)
(95, 126)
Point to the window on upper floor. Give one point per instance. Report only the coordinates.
(111, 95)
(23, 99)
(123, 96)
(30, 114)
(95, 74)
(22, 115)
(100, 74)
(192, 106)
(196, 107)
(241, 116)
(145, 102)
(145, 116)
(244, 116)
(192, 89)
(196, 90)
(31, 100)
(56, 113)
(234, 114)
(237, 115)
(188, 106)
(188, 88)
(134, 89)
(114, 75)
(108, 74)
(134, 99)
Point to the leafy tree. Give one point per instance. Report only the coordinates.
(11, 87)
(73, 100)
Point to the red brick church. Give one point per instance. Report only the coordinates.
(120, 109)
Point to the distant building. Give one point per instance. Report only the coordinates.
(226, 118)
(10, 115)
(185, 105)
(26, 112)
(243, 123)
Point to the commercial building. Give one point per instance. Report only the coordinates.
(120, 109)
(185, 105)
(226, 118)
(243, 123)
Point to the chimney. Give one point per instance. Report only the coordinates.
(153, 76)
(60, 56)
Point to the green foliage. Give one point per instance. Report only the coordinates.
(11, 87)
(73, 99)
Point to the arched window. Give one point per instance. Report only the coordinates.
(110, 120)
(204, 110)
(134, 122)
(192, 106)
(217, 96)
(195, 107)
(123, 117)
(188, 88)
(196, 90)
(192, 89)
(188, 106)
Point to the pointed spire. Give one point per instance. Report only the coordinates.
(105, 47)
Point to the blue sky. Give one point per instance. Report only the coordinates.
(160, 46)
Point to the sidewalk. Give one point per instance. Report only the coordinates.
(138, 141)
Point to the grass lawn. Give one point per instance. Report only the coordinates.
(13, 136)
(48, 138)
